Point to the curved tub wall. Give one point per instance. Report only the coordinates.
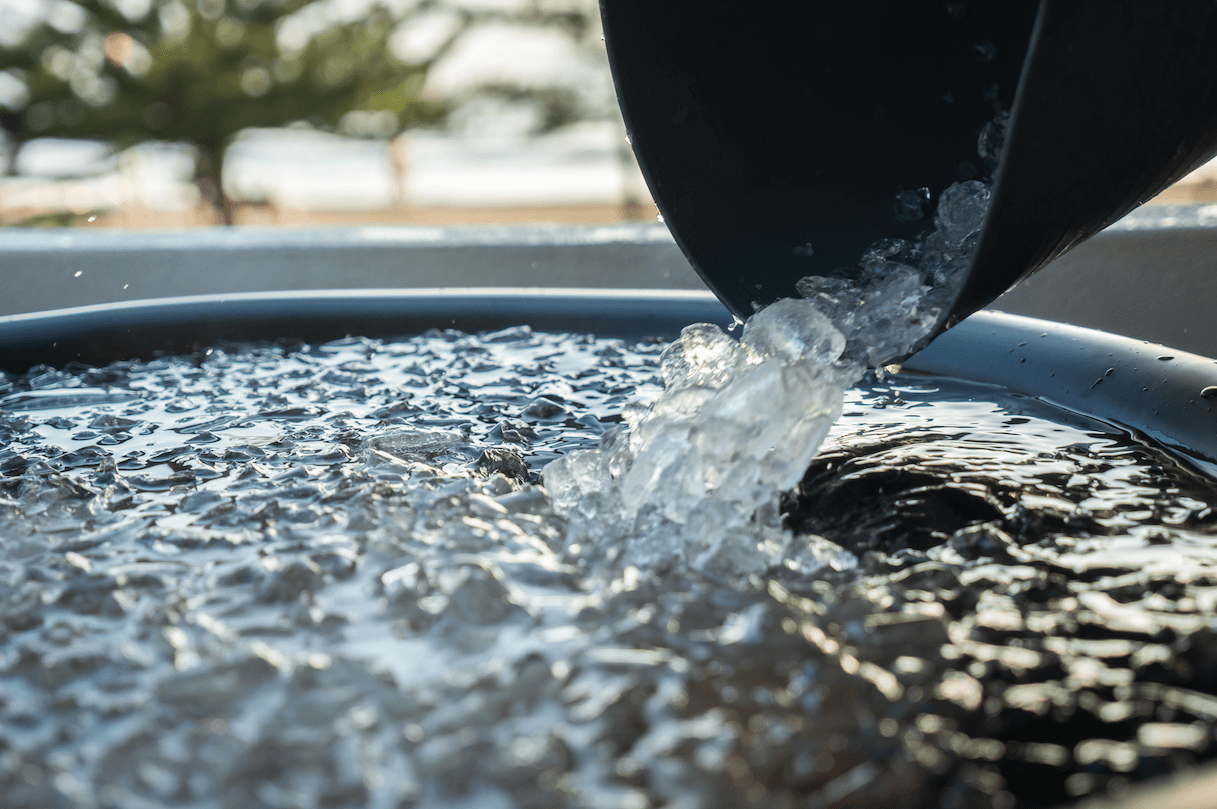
(1142, 386)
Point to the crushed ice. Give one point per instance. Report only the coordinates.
(696, 478)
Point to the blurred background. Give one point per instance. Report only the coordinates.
(180, 113)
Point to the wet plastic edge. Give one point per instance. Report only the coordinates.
(1114, 379)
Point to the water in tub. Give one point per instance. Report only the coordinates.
(330, 576)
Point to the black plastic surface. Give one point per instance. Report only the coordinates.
(1117, 101)
(775, 142)
(761, 133)
(96, 335)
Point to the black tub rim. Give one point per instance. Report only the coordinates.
(1116, 380)
(101, 333)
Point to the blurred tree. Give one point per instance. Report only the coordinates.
(202, 72)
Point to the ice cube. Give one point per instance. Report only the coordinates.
(418, 443)
(882, 318)
(911, 206)
(992, 139)
(961, 210)
(795, 331)
(703, 356)
(883, 252)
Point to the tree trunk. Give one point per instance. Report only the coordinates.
(209, 178)
(10, 170)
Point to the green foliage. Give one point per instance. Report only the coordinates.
(202, 72)
(55, 219)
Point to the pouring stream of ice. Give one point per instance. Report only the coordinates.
(697, 475)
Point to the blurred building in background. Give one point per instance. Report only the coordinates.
(132, 113)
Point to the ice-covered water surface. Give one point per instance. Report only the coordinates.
(325, 578)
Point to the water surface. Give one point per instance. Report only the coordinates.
(275, 576)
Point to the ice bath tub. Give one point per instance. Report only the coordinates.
(466, 652)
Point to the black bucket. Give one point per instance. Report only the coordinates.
(782, 143)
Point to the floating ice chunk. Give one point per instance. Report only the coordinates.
(574, 476)
(812, 555)
(415, 443)
(507, 462)
(744, 627)
(515, 431)
(58, 397)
